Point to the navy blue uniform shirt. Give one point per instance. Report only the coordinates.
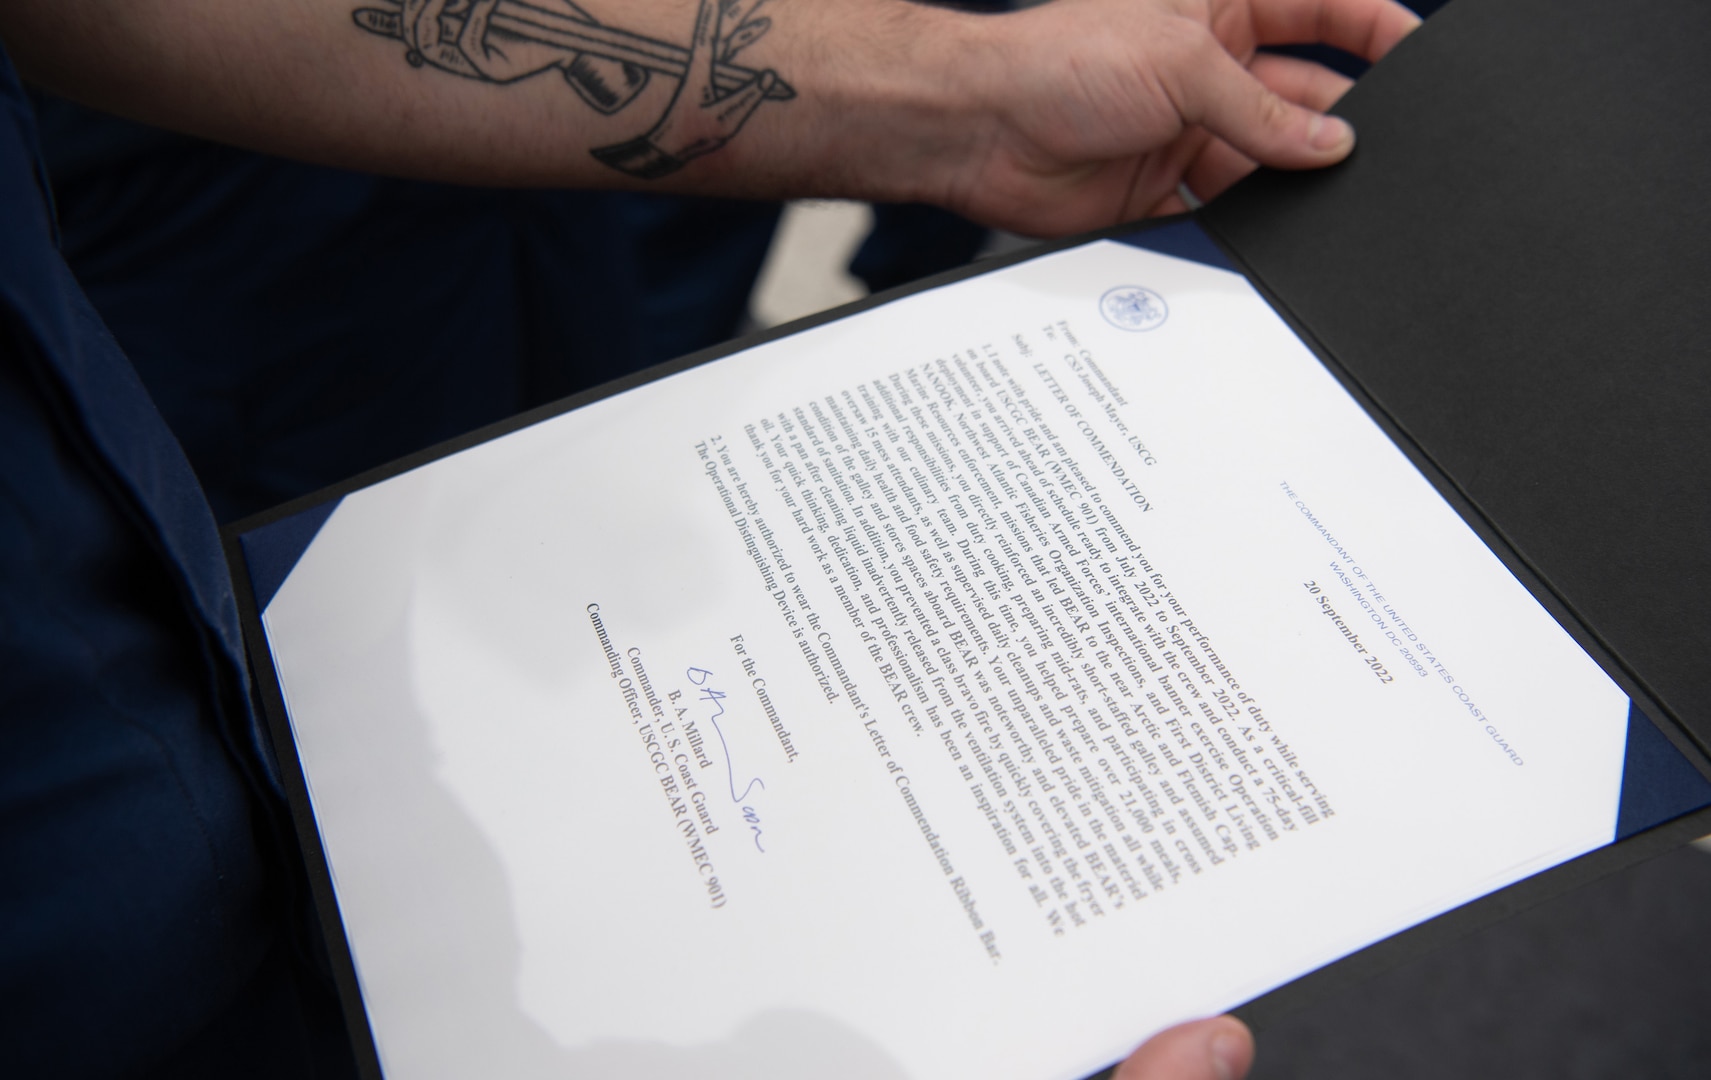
(148, 899)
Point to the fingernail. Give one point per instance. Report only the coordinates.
(1228, 1055)
(1330, 133)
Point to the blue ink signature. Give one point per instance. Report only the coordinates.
(701, 677)
(753, 820)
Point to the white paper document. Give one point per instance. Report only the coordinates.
(968, 687)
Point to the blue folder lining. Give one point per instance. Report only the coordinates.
(1183, 240)
(272, 551)
(1659, 784)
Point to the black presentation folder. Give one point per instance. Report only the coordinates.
(1512, 273)
(1515, 266)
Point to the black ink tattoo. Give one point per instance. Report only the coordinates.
(503, 41)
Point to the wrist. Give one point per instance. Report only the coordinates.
(890, 101)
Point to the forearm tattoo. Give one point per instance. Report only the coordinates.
(503, 41)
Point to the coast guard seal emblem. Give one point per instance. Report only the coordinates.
(1131, 307)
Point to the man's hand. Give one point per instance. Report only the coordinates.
(1216, 1049)
(1097, 109)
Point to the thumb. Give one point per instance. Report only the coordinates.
(1226, 98)
(1219, 1048)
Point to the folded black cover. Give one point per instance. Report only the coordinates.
(1515, 265)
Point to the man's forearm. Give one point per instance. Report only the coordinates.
(734, 96)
